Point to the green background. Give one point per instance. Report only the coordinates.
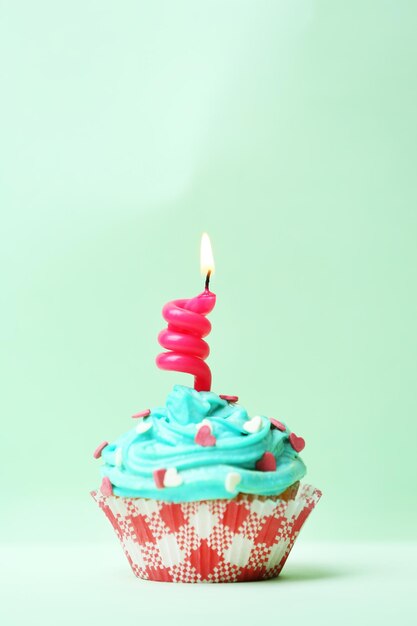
(287, 131)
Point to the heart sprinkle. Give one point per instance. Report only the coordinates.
(204, 437)
(267, 463)
(106, 487)
(232, 480)
(97, 452)
(277, 424)
(144, 413)
(297, 443)
(143, 426)
(205, 422)
(172, 478)
(231, 399)
(254, 425)
(158, 477)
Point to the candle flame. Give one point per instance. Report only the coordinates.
(206, 255)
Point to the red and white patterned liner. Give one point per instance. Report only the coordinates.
(208, 541)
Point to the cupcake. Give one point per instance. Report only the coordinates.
(199, 491)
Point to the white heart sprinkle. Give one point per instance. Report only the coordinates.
(118, 457)
(204, 422)
(143, 426)
(172, 478)
(232, 480)
(254, 425)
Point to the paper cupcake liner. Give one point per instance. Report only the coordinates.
(247, 538)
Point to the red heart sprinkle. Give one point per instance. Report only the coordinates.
(144, 413)
(106, 487)
(158, 477)
(229, 398)
(97, 452)
(267, 463)
(204, 437)
(277, 424)
(297, 443)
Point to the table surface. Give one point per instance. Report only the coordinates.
(346, 583)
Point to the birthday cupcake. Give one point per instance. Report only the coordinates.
(198, 490)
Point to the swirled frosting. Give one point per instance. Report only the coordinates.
(164, 444)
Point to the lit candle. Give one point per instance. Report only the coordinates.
(187, 325)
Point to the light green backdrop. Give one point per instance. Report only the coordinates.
(286, 130)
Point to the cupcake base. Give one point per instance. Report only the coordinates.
(247, 538)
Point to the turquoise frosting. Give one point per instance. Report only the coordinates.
(204, 472)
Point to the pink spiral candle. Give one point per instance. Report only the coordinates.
(187, 325)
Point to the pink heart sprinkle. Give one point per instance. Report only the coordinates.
(106, 487)
(277, 424)
(204, 437)
(97, 452)
(158, 477)
(267, 463)
(297, 443)
(229, 398)
(144, 413)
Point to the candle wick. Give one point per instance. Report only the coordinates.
(206, 286)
